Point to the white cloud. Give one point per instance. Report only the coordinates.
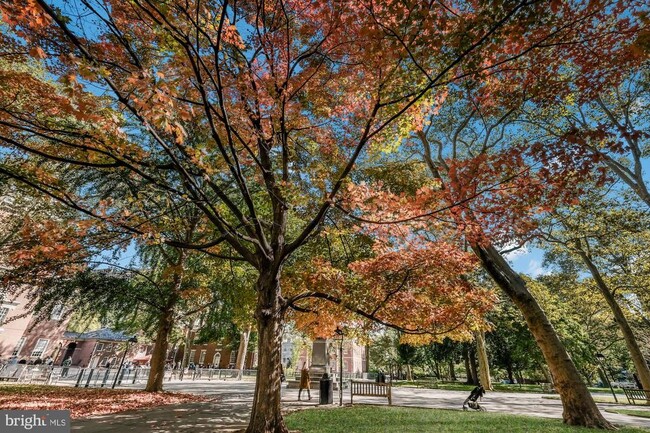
(535, 268)
(514, 254)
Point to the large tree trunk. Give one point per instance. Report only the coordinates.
(483, 364)
(159, 355)
(579, 406)
(266, 416)
(642, 370)
(240, 363)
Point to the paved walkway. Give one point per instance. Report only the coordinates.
(229, 409)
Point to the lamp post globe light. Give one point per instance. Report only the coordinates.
(600, 358)
(133, 339)
(339, 337)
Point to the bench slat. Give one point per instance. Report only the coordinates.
(634, 395)
(370, 389)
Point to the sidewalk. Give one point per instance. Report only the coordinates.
(230, 406)
(227, 411)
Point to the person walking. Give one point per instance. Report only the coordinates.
(304, 381)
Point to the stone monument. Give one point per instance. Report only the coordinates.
(319, 364)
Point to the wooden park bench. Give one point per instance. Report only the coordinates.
(370, 389)
(634, 395)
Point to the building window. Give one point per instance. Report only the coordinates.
(216, 360)
(233, 357)
(57, 312)
(40, 347)
(99, 347)
(3, 314)
(192, 354)
(202, 356)
(19, 347)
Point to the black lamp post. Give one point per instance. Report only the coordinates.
(600, 357)
(133, 339)
(339, 334)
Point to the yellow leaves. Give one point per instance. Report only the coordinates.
(179, 133)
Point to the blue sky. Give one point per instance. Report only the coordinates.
(528, 260)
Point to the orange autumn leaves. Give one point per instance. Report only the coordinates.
(422, 291)
(46, 248)
(83, 403)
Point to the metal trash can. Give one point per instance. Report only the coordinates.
(326, 393)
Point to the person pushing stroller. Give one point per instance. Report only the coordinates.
(471, 401)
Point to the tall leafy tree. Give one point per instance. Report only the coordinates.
(255, 113)
(601, 238)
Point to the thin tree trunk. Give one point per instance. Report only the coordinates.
(473, 365)
(452, 372)
(186, 349)
(578, 404)
(468, 370)
(161, 344)
(240, 363)
(547, 376)
(409, 373)
(483, 363)
(509, 369)
(266, 416)
(642, 370)
(366, 364)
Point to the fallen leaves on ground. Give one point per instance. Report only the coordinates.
(85, 402)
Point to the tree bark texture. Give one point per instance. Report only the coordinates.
(642, 370)
(161, 344)
(266, 416)
(578, 404)
(483, 363)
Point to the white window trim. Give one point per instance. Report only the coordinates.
(19, 347)
(57, 312)
(3, 316)
(42, 351)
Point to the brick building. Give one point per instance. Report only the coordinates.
(23, 336)
(219, 355)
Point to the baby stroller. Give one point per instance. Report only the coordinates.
(471, 401)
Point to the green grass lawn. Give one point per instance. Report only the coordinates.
(601, 398)
(372, 419)
(633, 412)
(498, 387)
